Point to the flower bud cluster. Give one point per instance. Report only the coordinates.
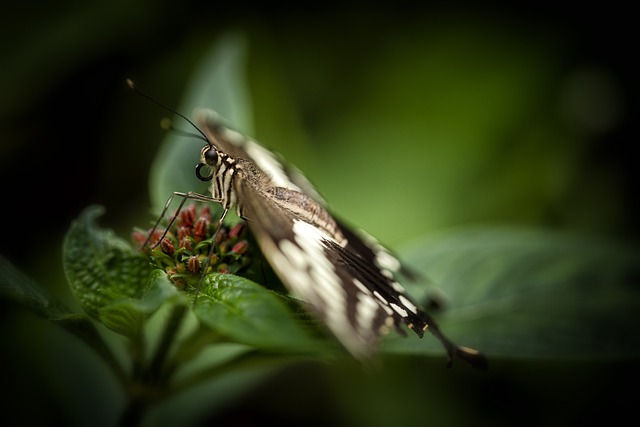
(182, 249)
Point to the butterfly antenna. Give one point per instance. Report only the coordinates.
(134, 87)
(167, 124)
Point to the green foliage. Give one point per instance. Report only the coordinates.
(249, 313)
(529, 293)
(117, 287)
(111, 281)
(511, 292)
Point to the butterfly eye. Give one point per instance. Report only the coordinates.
(209, 159)
(211, 156)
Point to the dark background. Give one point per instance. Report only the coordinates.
(68, 120)
(73, 135)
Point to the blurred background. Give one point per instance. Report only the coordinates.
(410, 119)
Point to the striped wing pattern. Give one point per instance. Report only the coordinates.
(347, 277)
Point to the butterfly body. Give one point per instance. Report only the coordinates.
(347, 278)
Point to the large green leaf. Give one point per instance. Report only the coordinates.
(248, 313)
(532, 293)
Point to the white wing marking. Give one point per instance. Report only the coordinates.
(401, 311)
(408, 304)
(366, 309)
(233, 136)
(268, 162)
(386, 260)
(398, 287)
(312, 277)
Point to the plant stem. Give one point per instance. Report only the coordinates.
(147, 381)
(155, 372)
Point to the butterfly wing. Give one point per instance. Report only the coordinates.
(239, 146)
(351, 296)
(347, 281)
(285, 175)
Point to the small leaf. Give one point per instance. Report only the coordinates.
(530, 293)
(127, 316)
(248, 313)
(108, 278)
(123, 317)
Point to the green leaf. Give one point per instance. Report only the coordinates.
(250, 314)
(128, 316)
(112, 282)
(531, 293)
(219, 83)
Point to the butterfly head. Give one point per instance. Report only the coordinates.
(210, 158)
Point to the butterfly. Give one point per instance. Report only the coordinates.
(346, 277)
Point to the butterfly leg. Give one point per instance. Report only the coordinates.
(213, 245)
(185, 196)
